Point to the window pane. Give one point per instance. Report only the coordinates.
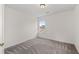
(42, 23)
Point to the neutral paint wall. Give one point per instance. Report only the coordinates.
(77, 27)
(60, 27)
(1, 27)
(19, 27)
(0, 23)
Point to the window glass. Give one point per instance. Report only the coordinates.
(42, 23)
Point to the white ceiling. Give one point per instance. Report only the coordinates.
(35, 9)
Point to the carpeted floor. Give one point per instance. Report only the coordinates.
(42, 46)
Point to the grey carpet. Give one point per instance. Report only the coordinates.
(42, 46)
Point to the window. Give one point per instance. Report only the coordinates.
(42, 23)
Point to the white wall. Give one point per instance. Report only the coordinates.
(77, 27)
(60, 27)
(19, 27)
(0, 23)
(1, 27)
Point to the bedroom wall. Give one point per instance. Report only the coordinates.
(1, 23)
(1, 26)
(19, 27)
(77, 27)
(60, 27)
